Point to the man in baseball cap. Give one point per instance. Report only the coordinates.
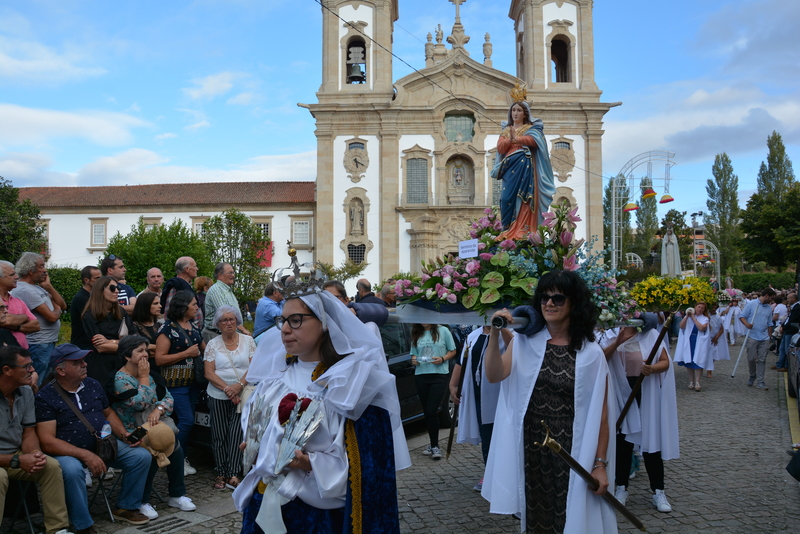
(65, 352)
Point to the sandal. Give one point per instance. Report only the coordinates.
(219, 483)
(691, 385)
(232, 483)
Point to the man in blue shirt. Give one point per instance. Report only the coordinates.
(757, 317)
(269, 307)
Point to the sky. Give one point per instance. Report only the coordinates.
(113, 93)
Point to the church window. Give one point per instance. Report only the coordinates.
(356, 61)
(354, 146)
(356, 253)
(559, 53)
(497, 191)
(561, 144)
(417, 181)
(301, 232)
(459, 127)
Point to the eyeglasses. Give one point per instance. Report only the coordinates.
(295, 320)
(3, 308)
(557, 298)
(228, 320)
(27, 367)
(113, 288)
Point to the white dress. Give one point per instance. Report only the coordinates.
(719, 351)
(702, 349)
(504, 480)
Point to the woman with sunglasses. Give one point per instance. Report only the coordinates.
(105, 323)
(558, 375)
(349, 462)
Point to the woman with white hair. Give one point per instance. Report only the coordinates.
(523, 163)
(227, 359)
(343, 478)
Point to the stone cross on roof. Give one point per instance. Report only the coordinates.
(458, 5)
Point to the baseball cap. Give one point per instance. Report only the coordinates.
(67, 351)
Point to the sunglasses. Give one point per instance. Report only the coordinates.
(557, 298)
(113, 288)
(295, 320)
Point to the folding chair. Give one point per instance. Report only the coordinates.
(23, 487)
(101, 488)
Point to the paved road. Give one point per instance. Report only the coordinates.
(730, 478)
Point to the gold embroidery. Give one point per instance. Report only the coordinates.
(354, 459)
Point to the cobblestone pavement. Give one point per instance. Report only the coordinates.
(731, 476)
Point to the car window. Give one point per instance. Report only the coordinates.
(395, 339)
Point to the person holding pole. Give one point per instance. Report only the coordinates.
(558, 375)
(757, 317)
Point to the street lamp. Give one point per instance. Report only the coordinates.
(694, 240)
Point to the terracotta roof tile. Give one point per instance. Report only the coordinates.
(171, 194)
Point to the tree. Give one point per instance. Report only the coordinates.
(722, 217)
(235, 239)
(776, 176)
(346, 271)
(787, 235)
(646, 223)
(683, 232)
(19, 226)
(623, 217)
(158, 246)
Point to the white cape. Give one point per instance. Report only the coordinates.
(720, 351)
(468, 428)
(504, 481)
(702, 348)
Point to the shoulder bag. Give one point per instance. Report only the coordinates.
(106, 448)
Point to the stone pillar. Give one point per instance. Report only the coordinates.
(323, 225)
(388, 241)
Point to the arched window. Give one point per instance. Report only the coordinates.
(559, 53)
(356, 61)
(417, 181)
(459, 126)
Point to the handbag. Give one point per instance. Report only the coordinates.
(106, 448)
(197, 363)
(141, 418)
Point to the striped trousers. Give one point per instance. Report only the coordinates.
(226, 436)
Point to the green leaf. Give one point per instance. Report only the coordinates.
(493, 280)
(489, 296)
(471, 298)
(500, 259)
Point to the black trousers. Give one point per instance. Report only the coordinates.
(652, 460)
(431, 389)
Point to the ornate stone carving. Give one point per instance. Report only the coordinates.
(487, 51)
(562, 157)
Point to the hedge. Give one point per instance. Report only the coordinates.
(759, 281)
(67, 281)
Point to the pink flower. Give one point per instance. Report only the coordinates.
(572, 216)
(565, 238)
(481, 246)
(441, 291)
(473, 267)
(569, 264)
(484, 222)
(498, 224)
(452, 299)
(549, 219)
(535, 238)
(425, 278)
(473, 234)
(475, 226)
(407, 283)
(448, 269)
(486, 256)
(508, 244)
(457, 286)
(473, 282)
(487, 211)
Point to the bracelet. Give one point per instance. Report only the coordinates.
(602, 461)
(598, 465)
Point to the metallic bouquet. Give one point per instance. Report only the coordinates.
(301, 417)
(257, 422)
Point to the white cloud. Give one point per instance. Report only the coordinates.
(140, 166)
(135, 108)
(23, 125)
(28, 61)
(163, 136)
(200, 120)
(211, 86)
(242, 99)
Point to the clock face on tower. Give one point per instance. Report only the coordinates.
(356, 161)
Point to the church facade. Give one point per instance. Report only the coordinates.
(403, 165)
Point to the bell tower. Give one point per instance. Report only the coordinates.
(356, 35)
(555, 47)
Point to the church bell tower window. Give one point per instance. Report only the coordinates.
(559, 52)
(356, 61)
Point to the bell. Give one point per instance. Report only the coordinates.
(355, 74)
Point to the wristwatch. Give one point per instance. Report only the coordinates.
(14, 463)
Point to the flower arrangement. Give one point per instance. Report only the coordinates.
(660, 294)
(506, 272)
(726, 295)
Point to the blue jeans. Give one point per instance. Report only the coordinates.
(786, 340)
(184, 398)
(134, 462)
(40, 354)
(176, 486)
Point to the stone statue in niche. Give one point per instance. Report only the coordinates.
(356, 215)
(459, 183)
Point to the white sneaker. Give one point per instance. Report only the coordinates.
(188, 469)
(182, 503)
(88, 476)
(436, 453)
(108, 475)
(63, 531)
(660, 501)
(621, 494)
(427, 451)
(148, 510)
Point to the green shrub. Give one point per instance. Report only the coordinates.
(66, 280)
(759, 281)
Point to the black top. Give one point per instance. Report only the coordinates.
(7, 338)
(76, 307)
(370, 298)
(100, 364)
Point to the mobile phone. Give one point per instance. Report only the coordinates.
(137, 434)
